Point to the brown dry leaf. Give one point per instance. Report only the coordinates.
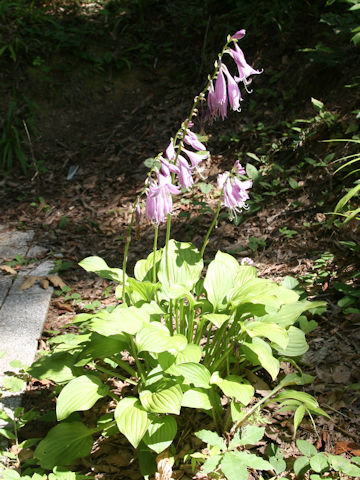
(63, 306)
(8, 269)
(342, 374)
(29, 282)
(56, 281)
(257, 382)
(347, 447)
(164, 466)
(44, 283)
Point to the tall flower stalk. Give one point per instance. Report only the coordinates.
(221, 92)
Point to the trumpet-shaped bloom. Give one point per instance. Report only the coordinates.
(247, 261)
(192, 140)
(233, 90)
(167, 167)
(220, 96)
(244, 69)
(196, 158)
(239, 168)
(235, 192)
(184, 175)
(159, 199)
(170, 151)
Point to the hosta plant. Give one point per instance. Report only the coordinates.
(180, 337)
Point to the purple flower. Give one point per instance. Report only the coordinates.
(239, 168)
(159, 199)
(239, 34)
(212, 104)
(192, 140)
(196, 158)
(233, 90)
(184, 175)
(247, 261)
(244, 69)
(167, 167)
(235, 192)
(220, 96)
(170, 151)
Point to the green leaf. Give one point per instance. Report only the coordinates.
(193, 373)
(245, 273)
(101, 268)
(144, 268)
(306, 448)
(251, 435)
(79, 394)
(319, 462)
(163, 400)
(211, 438)
(13, 384)
(217, 318)
(298, 417)
(205, 187)
(234, 386)
(211, 464)
(253, 461)
(155, 338)
(197, 398)
(132, 420)
(259, 353)
(344, 200)
(101, 347)
(341, 464)
(237, 411)
(297, 345)
(160, 434)
(122, 319)
(10, 474)
(145, 290)
(183, 266)
(63, 444)
(58, 367)
(220, 278)
(260, 290)
(252, 172)
(306, 325)
(272, 331)
(191, 353)
(233, 468)
(293, 183)
(317, 104)
(290, 312)
(301, 466)
(7, 434)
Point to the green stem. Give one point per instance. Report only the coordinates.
(136, 358)
(168, 230)
(199, 330)
(155, 249)
(190, 328)
(112, 373)
(127, 245)
(124, 365)
(256, 406)
(213, 223)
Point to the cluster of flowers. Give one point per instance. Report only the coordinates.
(159, 196)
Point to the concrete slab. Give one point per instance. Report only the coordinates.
(5, 284)
(41, 270)
(14, 243)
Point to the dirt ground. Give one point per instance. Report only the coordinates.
(107, 135)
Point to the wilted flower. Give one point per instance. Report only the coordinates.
(159, 199)
(247, 261)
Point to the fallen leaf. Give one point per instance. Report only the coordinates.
(44, 283)
(8, 269)
(342, 374)
(347, 447)
(29, 282)
(56, 281)
(63, 306)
